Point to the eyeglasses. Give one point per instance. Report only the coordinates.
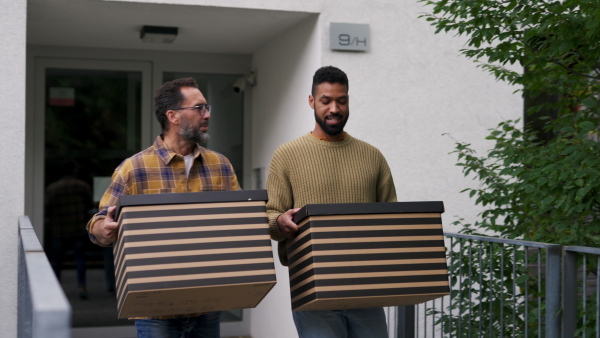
(201, 108)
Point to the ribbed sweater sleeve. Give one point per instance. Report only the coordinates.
(312, 171)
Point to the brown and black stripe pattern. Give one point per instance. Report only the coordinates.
(367, 255)
(178, 258)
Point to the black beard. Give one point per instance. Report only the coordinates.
(331, 130)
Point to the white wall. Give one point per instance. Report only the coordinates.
(412, 87)
(280, 109)
(12, 100)
(281, 113)
(287, 5)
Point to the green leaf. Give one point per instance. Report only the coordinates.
(548, 200)
(582, 192)
(587, 126)
(522, 279)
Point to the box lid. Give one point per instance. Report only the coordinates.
(190, 197)
(368, 208)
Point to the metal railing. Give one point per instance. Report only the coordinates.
(499, 287)
(43, 308)
(580, 296)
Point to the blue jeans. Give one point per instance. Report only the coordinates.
(353, 323)
(204, 326)
(60, 245)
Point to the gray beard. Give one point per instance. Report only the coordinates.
(189, 133)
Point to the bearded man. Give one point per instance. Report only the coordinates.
(175, 163)
(327, 165)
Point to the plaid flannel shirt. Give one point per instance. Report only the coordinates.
(159, 170)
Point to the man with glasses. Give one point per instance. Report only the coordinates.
(327, 165)
(175, 163)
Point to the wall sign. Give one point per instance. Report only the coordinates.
(349, 36)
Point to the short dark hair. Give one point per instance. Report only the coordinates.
(329, 74)
(168, 96)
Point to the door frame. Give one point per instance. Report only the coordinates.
(36, 123)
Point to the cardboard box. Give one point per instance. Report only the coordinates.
(361, 255)
(187, 253)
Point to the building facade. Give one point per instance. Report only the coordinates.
(59, 58)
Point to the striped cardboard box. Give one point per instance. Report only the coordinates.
(362, 255)
(188, 253)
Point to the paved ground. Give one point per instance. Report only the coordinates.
(100, 309)
(96, 317)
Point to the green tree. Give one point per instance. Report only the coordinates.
(534, 188)
(541, 179)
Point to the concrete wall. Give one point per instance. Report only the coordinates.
(280, 114)
(412, 87)
(286, 5)
(12, 100)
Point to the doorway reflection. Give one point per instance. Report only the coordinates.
(92, 123)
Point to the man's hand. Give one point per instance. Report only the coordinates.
(285, 224)
(106, 231)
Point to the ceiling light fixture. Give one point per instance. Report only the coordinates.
(158, 34)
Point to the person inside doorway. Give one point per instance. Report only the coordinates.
(67, 204)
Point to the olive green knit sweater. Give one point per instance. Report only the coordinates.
(308, 170)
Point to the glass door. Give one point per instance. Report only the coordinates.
(90, 116)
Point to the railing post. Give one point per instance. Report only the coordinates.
(406, 321)
(553, 275)
(569, 293)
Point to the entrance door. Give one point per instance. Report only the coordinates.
(88, 117)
